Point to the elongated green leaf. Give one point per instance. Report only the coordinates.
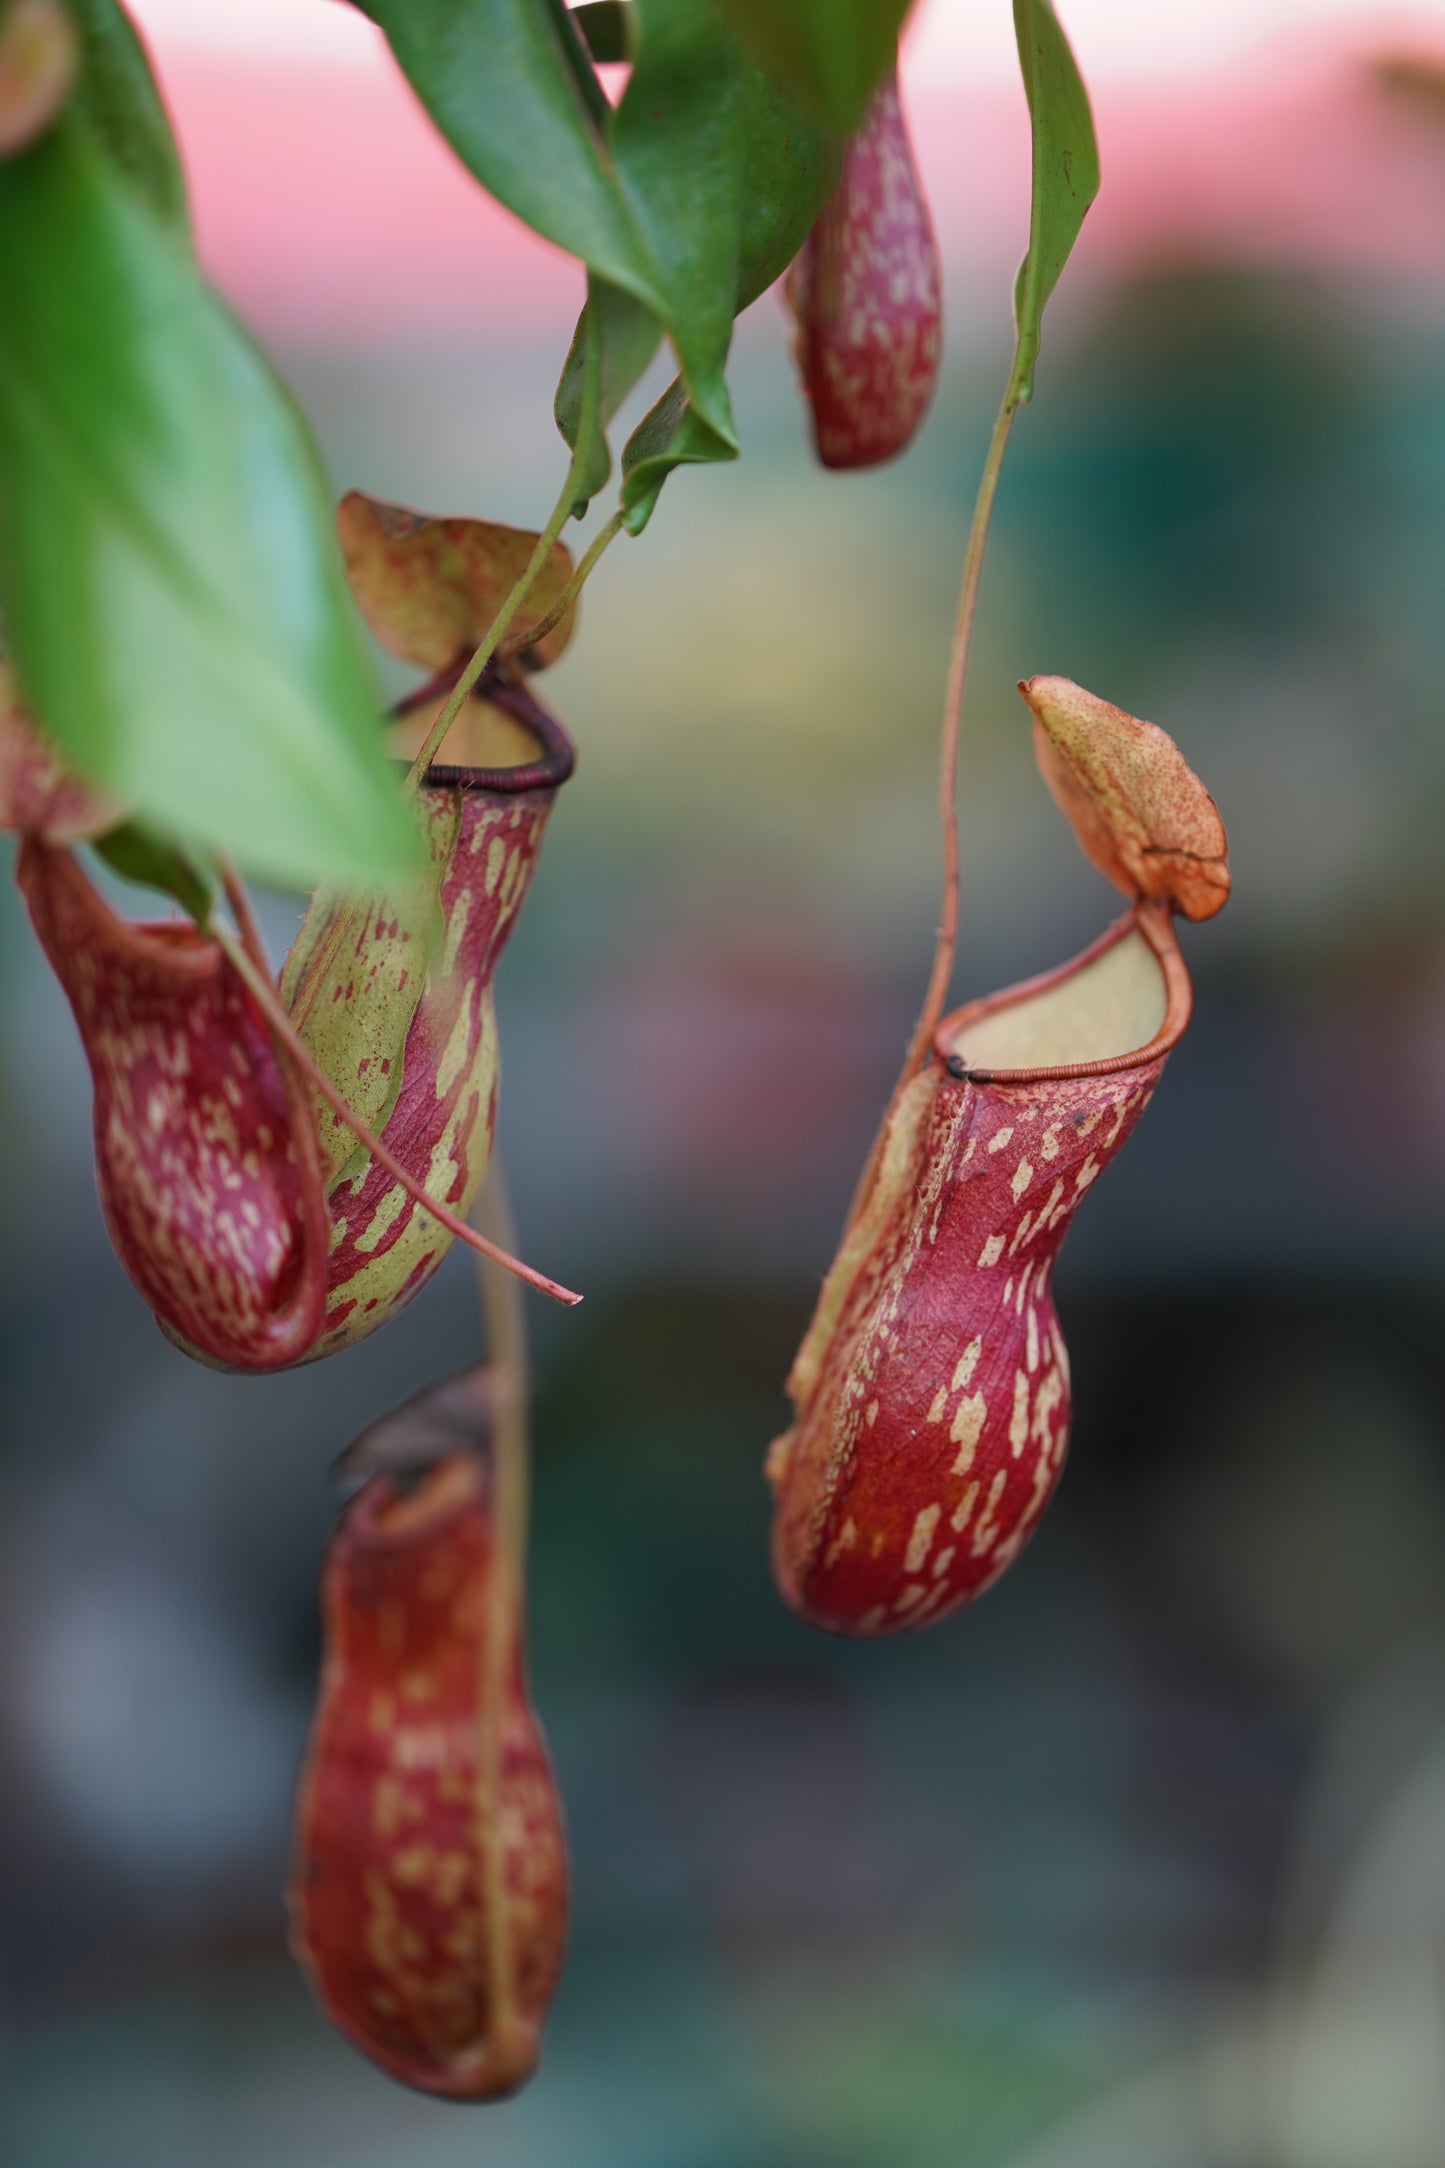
(671, 434)
(118, 100)
(832, 53)
(679, 139)
(660, 200)
(172, 588)
(648, 197)
(790, 168)
(614, 341)
(506, 83)
(1066, 169)
(791, 165)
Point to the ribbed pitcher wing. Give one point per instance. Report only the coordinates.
(429, 1887)
(206, 1157)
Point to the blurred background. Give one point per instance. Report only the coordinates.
(1141, 1864)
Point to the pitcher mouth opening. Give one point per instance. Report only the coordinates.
(1122, 1002)
(509, 741)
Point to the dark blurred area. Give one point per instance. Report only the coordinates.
(1140, 1864)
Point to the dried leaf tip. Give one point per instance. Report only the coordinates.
(1140, 813)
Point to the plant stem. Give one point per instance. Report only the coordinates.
(505, 1330)
(518, 642)
(492, 640)
(947, 938)
(505, 1323)
(269, 1002)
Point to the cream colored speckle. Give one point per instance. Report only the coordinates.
(458, 1045)
(967, 1429)
(1023, 1175)
(456, 933)
(1088, 1173)
(1050, 1394)
(959, 1518)
(845, 1539)
(986, 1533)
(967, 1361)
(1018, 1428)
(1000, 1139)
(1031, 1342)
(922, 1537)
(1051, 1142)
(496, 859)
(944, 1560)
(992, 1251)
(382, 1219)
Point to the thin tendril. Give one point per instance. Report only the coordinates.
(505, 1329)
(519, 642)
(492, 639)
(946, 942)
(273, 1009)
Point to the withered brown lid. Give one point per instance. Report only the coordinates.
(1141, 814)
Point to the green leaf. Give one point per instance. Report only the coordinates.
(167, 569)
(614, 341)
(833, 53)
(608, 29)
(1066, 170)
(659, 200)
(790, 169)
(505, 81)
(138, 854)
(679, 140)
(791, 166)
(118, 101)
(671, 434)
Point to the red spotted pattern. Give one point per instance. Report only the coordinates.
(932, 1393)
(206, 1155)
(483, 885)
(429, 1891)
(867, 299)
